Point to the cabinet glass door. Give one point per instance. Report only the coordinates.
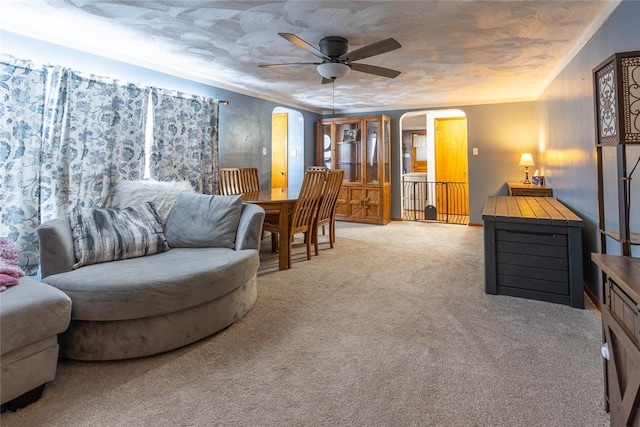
(348, 150)
(325, 153)
(372, 152)
(387, 149)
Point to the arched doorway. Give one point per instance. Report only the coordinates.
(434, 165)
(287, 147)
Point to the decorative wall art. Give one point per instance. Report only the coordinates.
(617, 93)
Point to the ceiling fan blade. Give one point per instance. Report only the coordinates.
(373, 69)
(371, 50)
(298, 42)
(326, 80)
(288, 64)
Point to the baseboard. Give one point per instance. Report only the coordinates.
(471, 224)
(594, 299)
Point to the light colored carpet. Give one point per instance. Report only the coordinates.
(390, 328)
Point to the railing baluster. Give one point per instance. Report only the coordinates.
(449, 198)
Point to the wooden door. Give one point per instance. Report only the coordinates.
(451, 165)
(279, 132)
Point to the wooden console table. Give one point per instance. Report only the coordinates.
(518, 188)
(533, 249)
(621, 334)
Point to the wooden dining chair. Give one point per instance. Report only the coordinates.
(249, 179)
(327, 208)
(229, 182)
(302, 217)
(317, 168)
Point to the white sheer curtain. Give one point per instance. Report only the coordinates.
(185, 139)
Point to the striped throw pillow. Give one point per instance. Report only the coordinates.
(110, 234)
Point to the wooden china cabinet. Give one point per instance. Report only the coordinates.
(360, 146)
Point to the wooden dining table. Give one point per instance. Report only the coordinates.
(281, 200)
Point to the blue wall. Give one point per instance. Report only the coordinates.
(565, 115)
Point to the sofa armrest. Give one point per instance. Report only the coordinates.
(56, 246)
(249, 233)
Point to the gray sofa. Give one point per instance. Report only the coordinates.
(32, 314)
(150, 304)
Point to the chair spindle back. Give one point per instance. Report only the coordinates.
(249, 179)
(327, 209)
(229, 182)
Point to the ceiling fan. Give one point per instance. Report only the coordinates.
(337, 61)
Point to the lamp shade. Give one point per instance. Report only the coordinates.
(526, 159)
(330, 70)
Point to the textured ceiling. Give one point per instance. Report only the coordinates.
(453, 52)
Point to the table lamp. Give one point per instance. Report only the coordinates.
(526, 160)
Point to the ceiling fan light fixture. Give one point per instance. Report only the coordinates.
(331, 70)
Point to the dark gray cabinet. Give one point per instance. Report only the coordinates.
(533, 249)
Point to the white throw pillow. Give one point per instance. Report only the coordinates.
(162, 194)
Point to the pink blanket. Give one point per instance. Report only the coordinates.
(10, 270)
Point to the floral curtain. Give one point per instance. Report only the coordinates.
(23, 84)
(94, 136)
(185, 139)
(65, 139)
